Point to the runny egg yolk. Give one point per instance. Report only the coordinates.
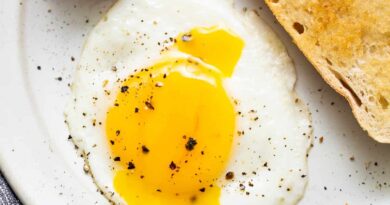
(172, 126)
(214, 46)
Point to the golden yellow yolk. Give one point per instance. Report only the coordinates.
(172, 127)
(215, 46)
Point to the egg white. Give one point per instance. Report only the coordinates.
(268, 159)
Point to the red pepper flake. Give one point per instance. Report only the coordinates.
(136, 110)
(172, 165)
(117, 133)
(112, 142)
(229, 175)
(321, 139)
(131, 165)
(190, 145)
(202, 189)
(117, 159)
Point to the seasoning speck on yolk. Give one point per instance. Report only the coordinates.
(189, 100)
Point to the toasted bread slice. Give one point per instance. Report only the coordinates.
(348, 42)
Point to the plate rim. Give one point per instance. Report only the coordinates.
(27, 160)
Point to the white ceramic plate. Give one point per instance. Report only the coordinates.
(38, 39)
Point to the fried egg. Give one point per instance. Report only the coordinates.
(188, 102)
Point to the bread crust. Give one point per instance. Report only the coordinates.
(302, 20)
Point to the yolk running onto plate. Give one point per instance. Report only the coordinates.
(172, 126)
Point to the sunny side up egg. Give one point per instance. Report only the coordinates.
(188, 102)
